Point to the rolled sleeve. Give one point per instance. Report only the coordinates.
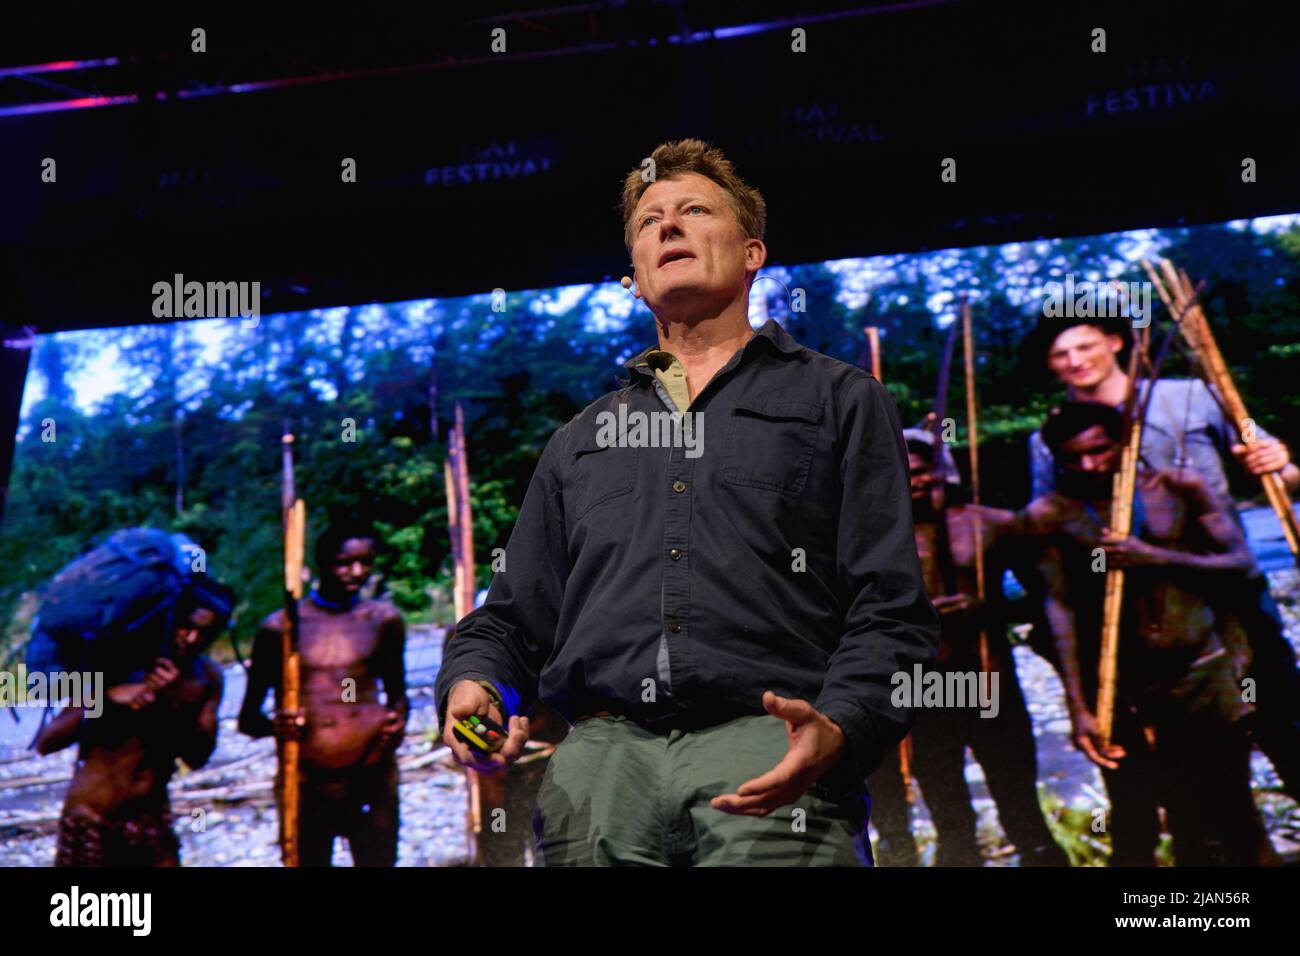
(506, 640)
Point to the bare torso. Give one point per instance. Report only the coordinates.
(126, 757)
(955, 600)
(1167, 609)
(961, 543)
(343, 657)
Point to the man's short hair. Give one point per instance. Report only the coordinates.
(331, 540)
(921, 450)
(1037, 345)
(201, 591)
(921, 441)
(1073, 418)
(696, 156)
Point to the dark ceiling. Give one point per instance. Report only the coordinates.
(479, 169)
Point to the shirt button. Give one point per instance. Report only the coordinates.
(675, 554)
(674, 627)
(679, 486)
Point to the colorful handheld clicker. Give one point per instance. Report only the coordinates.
(484, 735)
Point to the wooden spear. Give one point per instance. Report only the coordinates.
(1180, 298)
(1123, 488)
(972, 429)
(460, 529)
(873, 344)
(905, 745)
(459, 517)
(294, 516)
(466, 513)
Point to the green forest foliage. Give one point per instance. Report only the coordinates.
(191, 442)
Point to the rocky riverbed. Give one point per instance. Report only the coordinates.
(225, 813)
(226, 816)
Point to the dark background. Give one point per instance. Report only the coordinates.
(845, 140)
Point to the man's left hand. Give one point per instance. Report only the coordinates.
(392, 731)
(816, 744)
(1262, 456)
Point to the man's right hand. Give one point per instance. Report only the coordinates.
(468, 698)
(288, 725)
(1087, 737)
(141, 695)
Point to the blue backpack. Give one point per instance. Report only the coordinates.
(113, 608)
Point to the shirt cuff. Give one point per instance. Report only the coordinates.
(483, 681)
(495, 694)
(863, 751)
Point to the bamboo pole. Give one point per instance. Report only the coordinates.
(460, 530)
(453, 529)
(294, 517)
(972, 429)
(904, 745)
(873, 344)
(466, 515)
(1179, 296)
(459, 516)
(1123, 488)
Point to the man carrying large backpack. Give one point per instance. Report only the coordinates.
(135, 609)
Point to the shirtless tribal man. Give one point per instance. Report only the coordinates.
(1003, 742)
(349, 780)
(117, 812)
(1180, 668)
(1185, 428)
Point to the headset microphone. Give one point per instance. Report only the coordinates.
(789, 298)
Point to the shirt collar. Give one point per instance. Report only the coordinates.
(770, 332)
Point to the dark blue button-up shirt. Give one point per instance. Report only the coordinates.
(776, 552)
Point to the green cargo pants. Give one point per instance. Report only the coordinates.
(618, 794)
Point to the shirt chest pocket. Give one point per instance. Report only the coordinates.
(599, 475)
(770, 444)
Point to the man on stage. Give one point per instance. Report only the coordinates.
(720, 614)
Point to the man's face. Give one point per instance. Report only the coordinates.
(353, 564)
(195, 633)
(687, 245)
(1092, 453)
(1083, 355)
(922, 476)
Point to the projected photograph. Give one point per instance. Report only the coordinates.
(410, 431)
